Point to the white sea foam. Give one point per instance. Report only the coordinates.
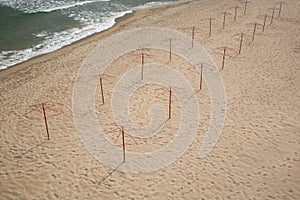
(42, 34)
(44, 5)
(150, 4)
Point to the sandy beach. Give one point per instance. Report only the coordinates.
(257, 156)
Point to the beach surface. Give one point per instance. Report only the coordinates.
(257, 155)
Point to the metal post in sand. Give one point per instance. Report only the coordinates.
(123, 141)
(235, 12)
(170, 102)
(193, 36)
(245, 8)
(223, 61)
(254, 30)
(280, 7)
(210, 26)
(224, 19)
(201, 69)
(170, 52)
(143, 62)
(264, 24)
(241, 43)
(272, 17)
(101, 88)
(45, 118)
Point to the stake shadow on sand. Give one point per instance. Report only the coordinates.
(194, 93)
(20, 156)
(160, 125)
(206, 38)
(33, 148)
(108, 174)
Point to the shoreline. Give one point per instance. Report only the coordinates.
(118, 21)
(124, 17)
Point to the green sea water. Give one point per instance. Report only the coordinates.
(32, 28)
(18, 29)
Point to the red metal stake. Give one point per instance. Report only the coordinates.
(224, 54)
(101, 87)
(272, 15)
(241, 43)
(170, 57)
(46, 123)
(143, 62)
(264, 23)
(193, 36)
(253, 35)
(235, 12)
(201, 76)
(245, 9)
(123, 139)
(209, 26)
(170, 103)
(224, 19)
(280, 9)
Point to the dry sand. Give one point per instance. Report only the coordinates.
(256, 157)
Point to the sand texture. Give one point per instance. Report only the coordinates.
(256, 157)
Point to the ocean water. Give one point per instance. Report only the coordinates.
(29, 28)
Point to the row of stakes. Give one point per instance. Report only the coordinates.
(122, 127)
(254, 29)
(43, 105)
(194, 29)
